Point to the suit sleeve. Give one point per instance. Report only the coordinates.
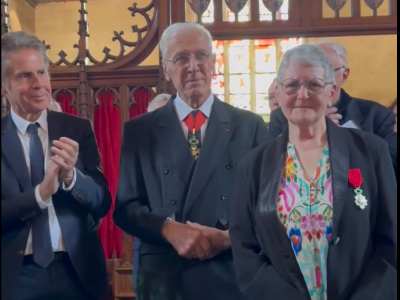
(91, 187)
(261, 133)
(275, 126)
(253, 268)
(17, 211)
(132, 209)
(386, 131)
(380, 274)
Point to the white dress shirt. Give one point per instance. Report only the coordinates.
(55, 230)
(183, 110)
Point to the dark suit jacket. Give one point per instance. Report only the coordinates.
(158, 178)
(78, 211)
(362, 262)
(369, 116)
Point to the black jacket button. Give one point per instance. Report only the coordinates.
(229, 167)
(173, 201)
(165, 171)
(224, 197)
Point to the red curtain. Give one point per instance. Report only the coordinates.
(107, 127)
(142, 98)
(65, 101)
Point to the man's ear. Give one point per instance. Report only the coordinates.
(346, 75)
(3, 90)
(333, 91)
(165, 69)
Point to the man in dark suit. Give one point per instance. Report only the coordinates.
(348, 111)
(176, 177)
(53, 191)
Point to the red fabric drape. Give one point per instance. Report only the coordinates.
(142, 98)
(65, 100)
(107, 127)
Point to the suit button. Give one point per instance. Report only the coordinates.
(173, 201)
(224, 197)
(21, 253)
(229, 167)
(165, 171)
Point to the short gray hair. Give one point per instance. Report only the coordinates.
(157, 99)
(309, 55)
(19, 40)
(340, 51)
(175, 29)
(57, 105)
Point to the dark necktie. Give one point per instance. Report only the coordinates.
(41, 239)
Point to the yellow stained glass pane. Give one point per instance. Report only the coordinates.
(262, 104)
(263, 82)
(241, 101)
(239, 60)
(244, 14)
(208, 16)
(282, 14)
(265, 58)
(218, 84)
(218, 50)
(287, 44)
(240, 84)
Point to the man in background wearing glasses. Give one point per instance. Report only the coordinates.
(348, 111)
(177, 174)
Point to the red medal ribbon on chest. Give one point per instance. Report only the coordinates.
(355, 178)
(195, 123)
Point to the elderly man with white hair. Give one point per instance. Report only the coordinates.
(176, 177)
(346, 110)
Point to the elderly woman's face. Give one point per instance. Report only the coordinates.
(309, 104)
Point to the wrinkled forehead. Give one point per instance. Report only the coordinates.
(303, 72)
(187, 41)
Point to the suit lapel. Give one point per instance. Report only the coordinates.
(268, 195)
(350, 111)
(173, 143)
(339, 154)
(218, 134)
(13, 152)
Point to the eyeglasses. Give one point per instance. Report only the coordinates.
(315, 86)
(338, 69)
(182, 60)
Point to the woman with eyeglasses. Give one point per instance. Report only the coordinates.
(314, 215)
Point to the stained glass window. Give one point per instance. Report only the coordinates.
(248, 68)
(282, 14)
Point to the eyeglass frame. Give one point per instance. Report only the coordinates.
(325, 82)
(190, 56)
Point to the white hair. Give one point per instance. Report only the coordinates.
(19, 40)
(159, 98)
(57, 105)
(310, 55)
(178, 27)
(340, 51)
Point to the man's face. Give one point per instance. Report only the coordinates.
(27, 85)
(341, 71)
(273, 97)
(189, 64)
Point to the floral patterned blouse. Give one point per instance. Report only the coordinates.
(305, 208)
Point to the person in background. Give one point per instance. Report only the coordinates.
(53, 190)
(393, 107)
(54, 105)
(158, 101)
(176, 177)
(347, 111)
(314, 215)
(272, 97)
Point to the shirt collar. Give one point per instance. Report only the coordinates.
(183, 109)
(22, 124)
